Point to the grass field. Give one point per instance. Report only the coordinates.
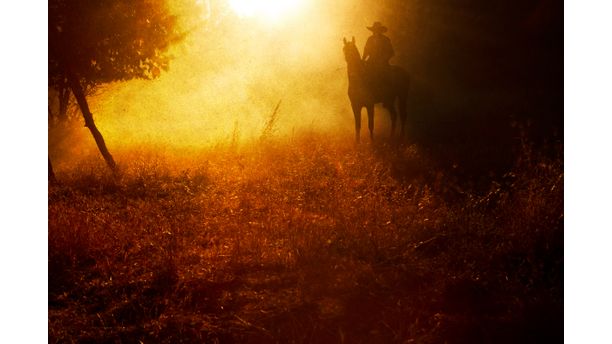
(308, 239)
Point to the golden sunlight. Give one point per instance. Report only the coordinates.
(270, 10)
(283, 171)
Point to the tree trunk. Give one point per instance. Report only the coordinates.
(77, 90)
(51, 174)
(64, 97)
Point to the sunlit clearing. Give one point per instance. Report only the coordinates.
(271, 10)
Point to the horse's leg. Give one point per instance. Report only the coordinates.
(393, 113)
(357, 114)
(370, 109)
(403, 114)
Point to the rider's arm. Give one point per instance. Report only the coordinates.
(366, 50)
(390, 46)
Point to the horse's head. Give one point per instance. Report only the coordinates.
(351, 53)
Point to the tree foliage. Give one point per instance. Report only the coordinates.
(109, 40)
(92, 42)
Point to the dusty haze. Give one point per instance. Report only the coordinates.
(488, 61)
(229, 74)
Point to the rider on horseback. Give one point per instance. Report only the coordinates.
(376, 54)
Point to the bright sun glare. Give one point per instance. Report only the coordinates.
(271, 10)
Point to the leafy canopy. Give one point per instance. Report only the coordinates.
(109, 40)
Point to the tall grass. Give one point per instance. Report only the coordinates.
(316, 241)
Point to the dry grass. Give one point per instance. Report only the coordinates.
(304, 240)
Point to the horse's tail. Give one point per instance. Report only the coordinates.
(406, 82)
(403, 88)
(402, 81)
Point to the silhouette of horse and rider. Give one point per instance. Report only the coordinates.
(373, 80)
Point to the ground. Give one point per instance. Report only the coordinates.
(308, 239)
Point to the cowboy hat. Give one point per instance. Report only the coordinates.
(377, 27)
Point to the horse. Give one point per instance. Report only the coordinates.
(392, 91)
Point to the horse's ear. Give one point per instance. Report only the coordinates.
(344, 39)
(353, 40)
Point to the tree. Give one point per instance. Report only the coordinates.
(92, 42)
